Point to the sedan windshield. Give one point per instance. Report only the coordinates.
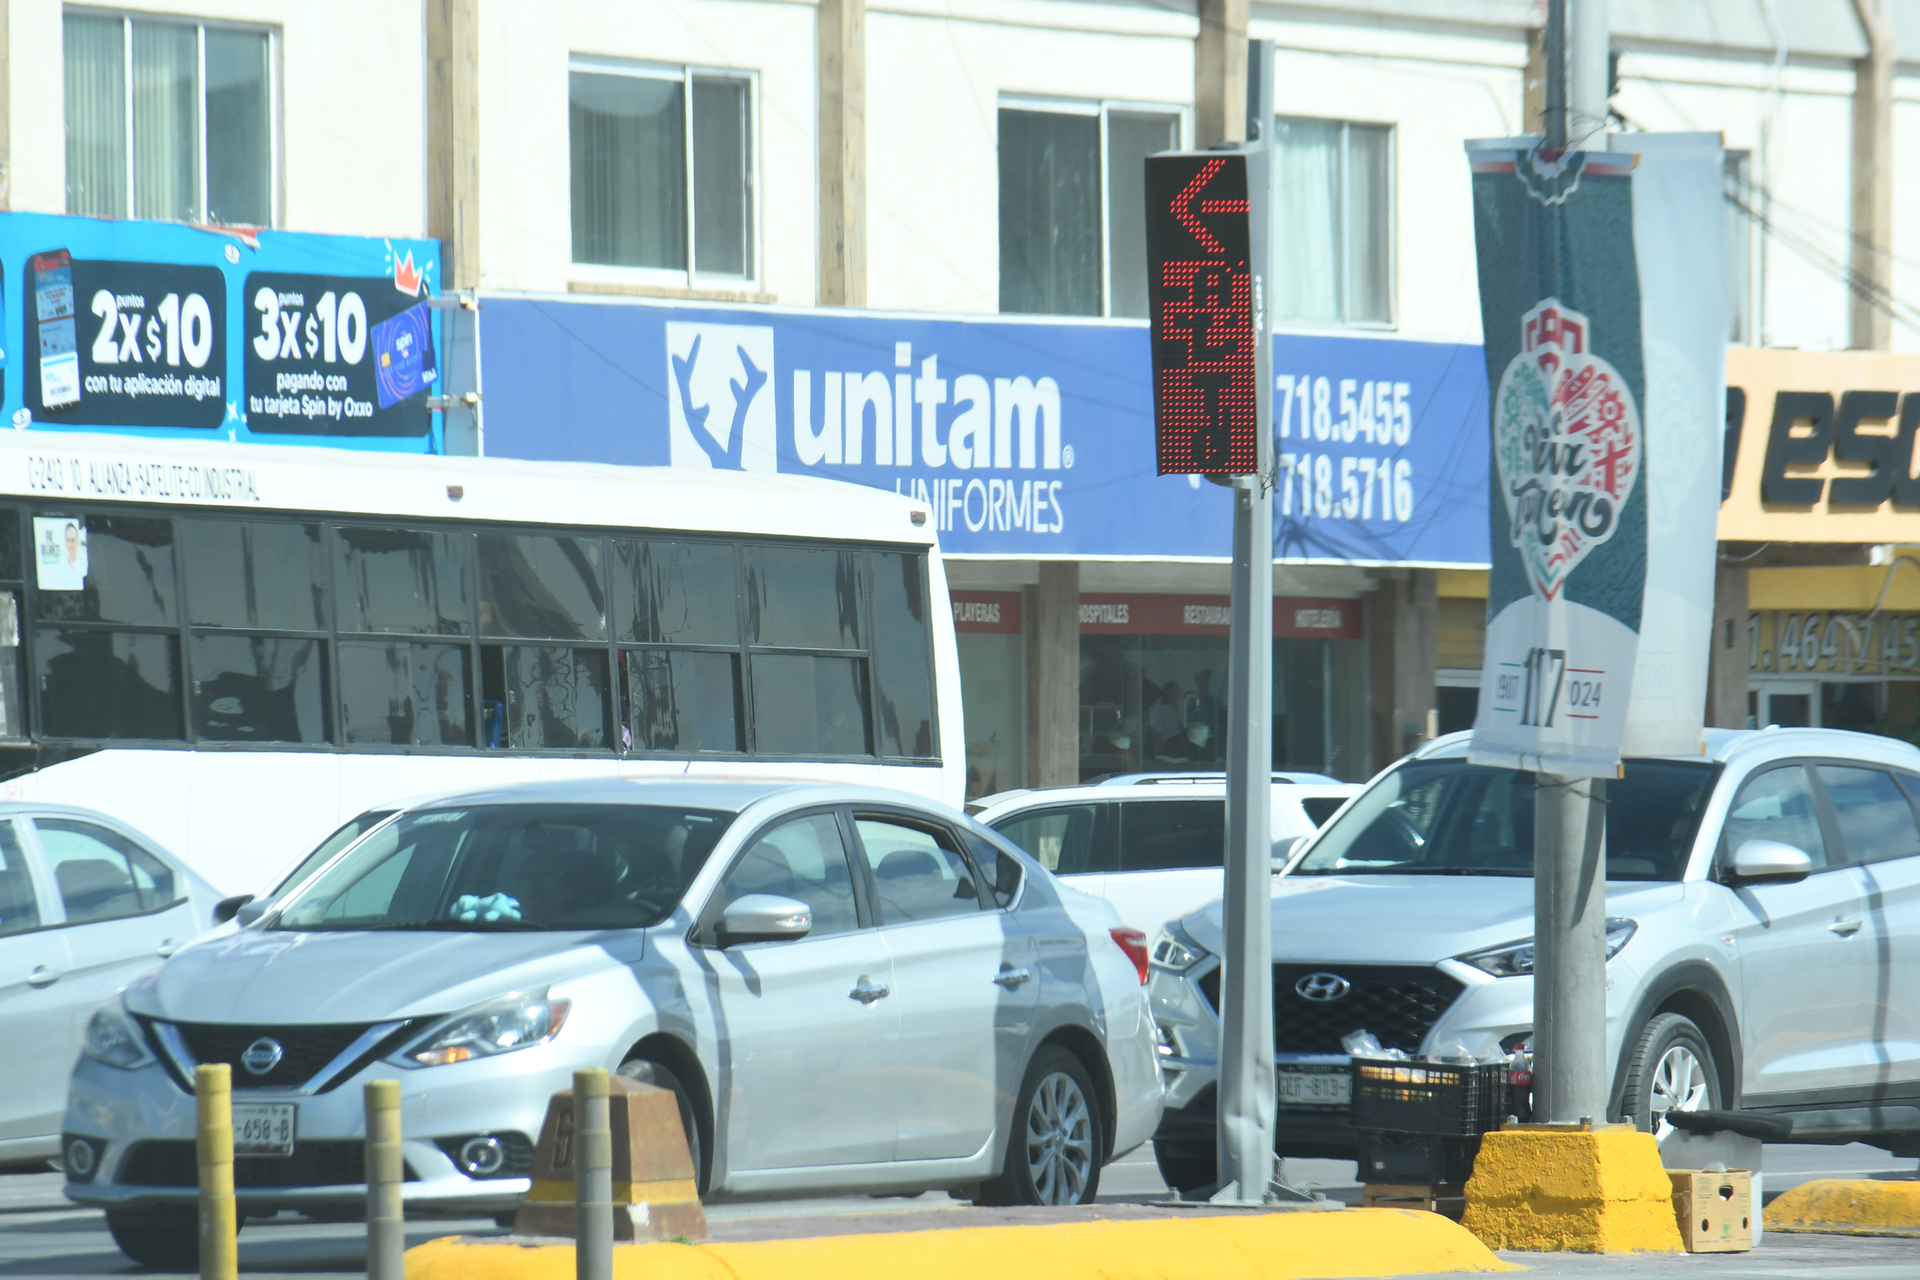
(513, 867)
(1448, 817)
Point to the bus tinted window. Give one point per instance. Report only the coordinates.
(675, 593)
(10, 566)
(541, 588)
(405, 694)
(800, 598)
(402, 581)
(810, 706)
(121, 568)
(900, 670)
(552, 696)
(683, 700)
(259, 688)
(255, 574)
(108, 684)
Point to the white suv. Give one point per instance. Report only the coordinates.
(1151, 844)
(1763, 941)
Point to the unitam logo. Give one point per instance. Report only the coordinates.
(720, 397)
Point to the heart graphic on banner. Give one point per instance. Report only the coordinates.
(1568, 444)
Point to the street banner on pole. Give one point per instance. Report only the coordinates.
(1561, 309)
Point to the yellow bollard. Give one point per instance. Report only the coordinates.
(213, 1143)
(592, 1176)
(386, 1216)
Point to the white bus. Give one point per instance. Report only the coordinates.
(236, 648)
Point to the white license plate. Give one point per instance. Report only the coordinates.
(1315, 1088)
(263, 1128)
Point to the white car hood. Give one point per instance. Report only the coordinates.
(1389, 919)
(285, 977)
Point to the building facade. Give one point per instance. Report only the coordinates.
(935, 193)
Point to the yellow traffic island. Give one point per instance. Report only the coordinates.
(1571, 1189)
(1281, 1246)
(1848, 1207)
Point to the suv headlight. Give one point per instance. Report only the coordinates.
(1176, 952)
(517, 1021)
(113, 1038)
(1512, 958)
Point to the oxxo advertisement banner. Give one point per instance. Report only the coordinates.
(159, 328)
(1025, 438)
(1607, 380)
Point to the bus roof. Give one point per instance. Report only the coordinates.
(217, 474)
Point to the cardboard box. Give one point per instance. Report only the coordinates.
(1714, 1208)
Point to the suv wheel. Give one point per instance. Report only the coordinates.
(649, 1072)
(166, 1239)
(1187, 1167)
(1053, 1154)
(1672, 1068)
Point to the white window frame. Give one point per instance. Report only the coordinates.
(667, 277)
(1103, 108)
(1390, 200)
(275, 82)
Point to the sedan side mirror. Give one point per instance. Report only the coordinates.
(764, 917)
(1771, 861)
(1283, 850)
(252, 911)
(227, 908)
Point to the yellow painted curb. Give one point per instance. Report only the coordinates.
(1599, 1190)
(1849, 1207)
(1276, 1246)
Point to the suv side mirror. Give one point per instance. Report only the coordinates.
(1771, 861)
(764, 917)
(1283, 849)
(227, 908)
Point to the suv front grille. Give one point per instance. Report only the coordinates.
(305, 1050)
(322, 1163)
(1398, 1003)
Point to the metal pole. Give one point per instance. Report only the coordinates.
(1587, 75)
(386, 1217)
(1570, 1082)
(1247, 1102)
(592, 1176)
(1555, 124)
(213, 1145)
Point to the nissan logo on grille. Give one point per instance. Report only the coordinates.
(264, 1054)
(1315, 986)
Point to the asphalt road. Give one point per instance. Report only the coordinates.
(41, 1234)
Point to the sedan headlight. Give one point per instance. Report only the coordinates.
(1175, 951)
(1512, 958)
(113, 1038)
(517, 1021)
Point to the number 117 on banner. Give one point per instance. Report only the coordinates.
(1201, 308)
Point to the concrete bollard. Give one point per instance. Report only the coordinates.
(386, 1216)
(593, 1177)
(213, 1147)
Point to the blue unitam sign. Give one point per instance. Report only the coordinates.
(156, 328)
(1025, 438)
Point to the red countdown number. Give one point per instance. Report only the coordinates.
(1200, 296)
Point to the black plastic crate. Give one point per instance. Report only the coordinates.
(1414, 1158)
(1434, 1098)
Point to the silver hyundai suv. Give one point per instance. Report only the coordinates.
(1763, 942)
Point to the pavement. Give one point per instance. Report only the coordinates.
(42, 1234)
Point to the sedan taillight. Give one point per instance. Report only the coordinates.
(1134, 943)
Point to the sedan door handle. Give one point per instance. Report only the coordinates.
(43, 976)
(1846, 928)
(1010, 977)
(167, 947)
(866, 991)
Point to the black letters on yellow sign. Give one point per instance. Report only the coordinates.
(1837, 432)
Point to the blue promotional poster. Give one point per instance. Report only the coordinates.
(1029, 438)
(264, 336)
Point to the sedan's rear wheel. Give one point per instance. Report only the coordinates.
(1672, 1069)
(1054, 1152)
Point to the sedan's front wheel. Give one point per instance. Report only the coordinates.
(1053, 1154)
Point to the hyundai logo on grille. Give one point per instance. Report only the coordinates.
(1315, 986)
(264, 1054)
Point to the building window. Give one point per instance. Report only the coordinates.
(1073, 239)
(1332, 222)
(1739, 184)
(169, 119)
(662, 169)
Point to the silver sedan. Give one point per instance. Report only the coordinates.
(847, 989)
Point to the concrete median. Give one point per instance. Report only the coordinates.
(1849, 1207)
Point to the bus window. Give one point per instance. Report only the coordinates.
(788, 590)
(550, 696)
(402, 581)
(810, 705)
(675, 593)
(541, 588)
(124, 568)
(394, 693)
(258, 688)
(255, 574)
(683, 700)
(108, 684)
(901, 675)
